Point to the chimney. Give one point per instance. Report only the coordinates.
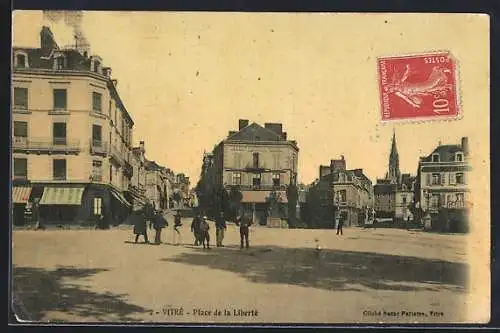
(283, 135)
(465, 145)
(275, 127)
(107, 71)
(337, 165)
(47, 41)
(141, 146)
(242, 124)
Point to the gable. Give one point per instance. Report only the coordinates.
(254, 132)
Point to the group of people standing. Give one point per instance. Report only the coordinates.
(156, 220)
(200, 229)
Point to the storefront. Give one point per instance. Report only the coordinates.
(20, 197)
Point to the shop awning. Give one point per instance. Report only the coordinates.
(120, 198)
(53, 195)
(261, 196)
(21, 194)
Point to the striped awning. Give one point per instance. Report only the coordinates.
(261, 196)
(62, 195)
(120, 198)
(21, 194)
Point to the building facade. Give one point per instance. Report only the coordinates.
(394, 194)
(442, 178)
(261, 162)
(342, 194)
(72, 135)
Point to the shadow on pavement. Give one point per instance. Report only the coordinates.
(37, 292)
(332, 269)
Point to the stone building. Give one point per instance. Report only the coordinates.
(343, 194)
(261, 161)
(442, 177)
(394, 193)
(72, 135)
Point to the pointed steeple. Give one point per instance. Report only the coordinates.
(394, 173)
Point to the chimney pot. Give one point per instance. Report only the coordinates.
(465, 145)
(242, 124)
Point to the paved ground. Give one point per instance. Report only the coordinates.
(363, 276)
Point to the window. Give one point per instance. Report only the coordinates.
(21, 129)
(96, 102)
(435, 157)
(436, 179)
(236, 178)
(341, 196)
(96, 135)
(21, 60)
(110, 173)
(59, 169)
(255, 160)
(459, 178)
(60, 62)
(404, 200)
(256, 180)
(21, 98)
(435, 200)
(276, 179)
(97, 170)
(59, 133)
(20, 167)
(97, 206)
(97, 66)
(60, 99)
(459, 157)
(460, 200)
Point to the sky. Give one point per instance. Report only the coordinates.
(186, 79)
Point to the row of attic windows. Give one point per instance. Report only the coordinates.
(60, 62)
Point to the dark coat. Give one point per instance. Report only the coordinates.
(159, 221)
(220, 223)
(138, 221)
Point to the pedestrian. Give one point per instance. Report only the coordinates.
(159, 222)
(177, 225)
(140, 225)
(204, 233)
(340, 224)
(220, 227)
(244, 222)
(35, 215)
(195, 229)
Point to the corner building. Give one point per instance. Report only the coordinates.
(71, 135)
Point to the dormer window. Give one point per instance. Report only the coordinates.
(459, 157)
(97, 66)
(60, 62)
(435, 157)
(21, 60)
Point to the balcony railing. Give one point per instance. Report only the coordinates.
(59, 177)
(54, 144)
(261, 187)
(96, 176)
(116, 154)
(98, 147)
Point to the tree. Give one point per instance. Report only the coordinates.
(235, 197)
(292, 195)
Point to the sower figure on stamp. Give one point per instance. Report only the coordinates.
(204, 233)
(244, 222)
(220, 227)
(195, 229)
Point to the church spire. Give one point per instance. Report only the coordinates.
(394, 173)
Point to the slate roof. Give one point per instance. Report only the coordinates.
(384, 188)
(446, 153)
(255, 132)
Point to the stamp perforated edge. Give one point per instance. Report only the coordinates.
(413, 120)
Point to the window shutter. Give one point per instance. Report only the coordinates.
(443, 176)
(452, 179)
(428, 176)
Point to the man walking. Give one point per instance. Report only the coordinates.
(140, 225)
(177, 225)
(204, 233)
(195, 229)
(159, 222)
(340, 224)
(220, 227)
(244, 222)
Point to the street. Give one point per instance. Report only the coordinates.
(366, 275)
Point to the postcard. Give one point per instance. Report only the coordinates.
(256, 168)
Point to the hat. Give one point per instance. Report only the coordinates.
(205, 218)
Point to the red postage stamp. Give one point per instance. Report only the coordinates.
(418, 87)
